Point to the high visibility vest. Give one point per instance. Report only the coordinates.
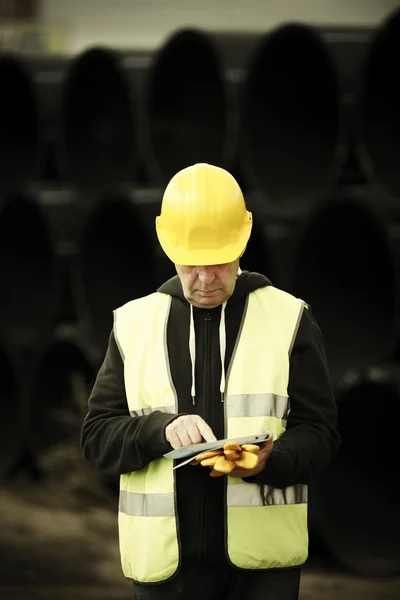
(258, 536)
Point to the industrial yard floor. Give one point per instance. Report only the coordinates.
(59, 541)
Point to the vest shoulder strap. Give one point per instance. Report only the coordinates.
(136, 314)
(287, 309)
(274, 295)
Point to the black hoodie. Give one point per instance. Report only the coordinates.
(114, 443)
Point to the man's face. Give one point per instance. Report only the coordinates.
(208, 287)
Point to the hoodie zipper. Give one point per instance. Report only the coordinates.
(207, 345)
(206, 385)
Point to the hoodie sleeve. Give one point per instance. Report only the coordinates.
(311, 438)
(112, 441)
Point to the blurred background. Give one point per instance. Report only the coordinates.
(100, 104)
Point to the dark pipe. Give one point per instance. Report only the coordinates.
(12, 414)
(99, 124)
(20, 143)
(380, 109)
(27, 271)
(186, 105)
(346, 269)
(48, 73)
(115, 264)
(65, 214)
(291, 116)
(147, 204)
(357, 498)
(348, 47)
(29, 119)
(59, 380)
(192, 100)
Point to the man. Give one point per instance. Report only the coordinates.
(215, 353)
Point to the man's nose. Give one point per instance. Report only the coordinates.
(206, 275)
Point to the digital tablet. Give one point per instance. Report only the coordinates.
(187, 453)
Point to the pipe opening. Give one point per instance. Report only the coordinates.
(358, 493)
(61, 384)
(341, 259)
(19, 126)
(27, 271)
(99, 127)
(291, 115)
(380, 109)
(117, 264)
(187, 106)
(11, 423)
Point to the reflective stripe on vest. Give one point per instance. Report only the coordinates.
(263, 531)
(141, 412)
(162, 505)
(242, 405)
(146, 505)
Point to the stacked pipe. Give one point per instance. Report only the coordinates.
(357, 497)
(308, 119)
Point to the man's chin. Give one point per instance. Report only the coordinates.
(206, 301)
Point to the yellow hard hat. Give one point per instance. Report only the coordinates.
(204, 220)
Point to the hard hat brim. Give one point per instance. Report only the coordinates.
(206, 257)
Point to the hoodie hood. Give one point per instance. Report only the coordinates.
(246, 283)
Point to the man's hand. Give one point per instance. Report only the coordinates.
(263, 455)
(188, 430)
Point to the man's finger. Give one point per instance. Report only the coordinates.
(194, 434)
(175, 441)
(184, 437)
(205, 431)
